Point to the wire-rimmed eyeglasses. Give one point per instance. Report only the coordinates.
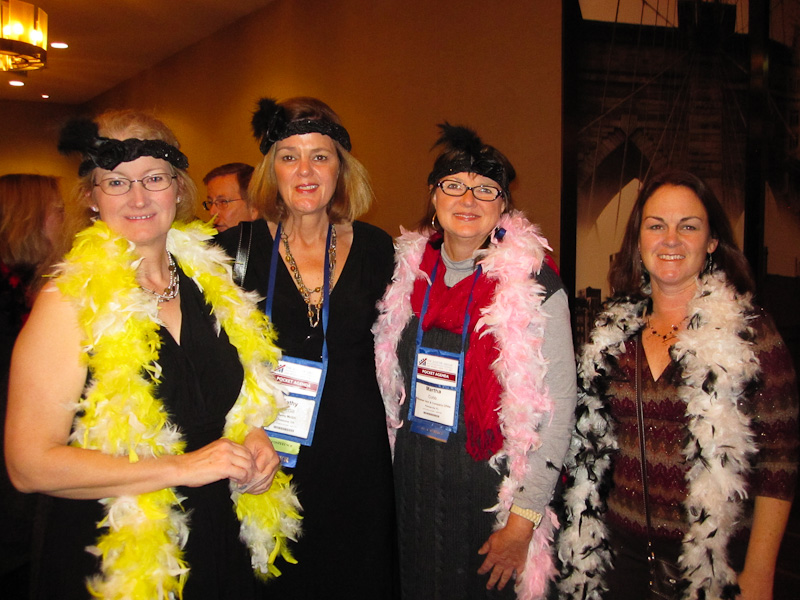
(116, 186)
(484, 193)
(220, 204)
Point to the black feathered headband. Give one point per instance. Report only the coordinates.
(82, 135)
(465, 152)
(270, 125)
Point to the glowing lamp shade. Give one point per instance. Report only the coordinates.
(23, 36)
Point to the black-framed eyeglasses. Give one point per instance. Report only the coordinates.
(484, 193)
(116, 186)
(221, 203)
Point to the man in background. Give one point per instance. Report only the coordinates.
(227, 198)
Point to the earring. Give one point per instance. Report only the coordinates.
(433, 221)
(178, 200)
(94, 209)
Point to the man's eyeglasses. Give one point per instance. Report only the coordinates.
(484, 193)
(220, 204)
(116, 186)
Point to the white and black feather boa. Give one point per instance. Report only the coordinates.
(717, 361)
(515, 319)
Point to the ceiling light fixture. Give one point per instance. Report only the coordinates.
(23, 36)
(16, 83)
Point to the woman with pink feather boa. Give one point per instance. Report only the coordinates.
(476, 367)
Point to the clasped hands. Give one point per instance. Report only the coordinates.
(251, 466)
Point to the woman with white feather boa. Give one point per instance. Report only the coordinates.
(718, 402)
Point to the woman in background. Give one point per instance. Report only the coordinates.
(716, 392)
(31, 217)
(322, 272)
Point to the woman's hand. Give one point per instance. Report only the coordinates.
(506, 551)
(265, 462)
(221, 459)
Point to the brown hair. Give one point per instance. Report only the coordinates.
(122, 125)
(627, 271)
(243, 172)
(24, 203)
(353, 195)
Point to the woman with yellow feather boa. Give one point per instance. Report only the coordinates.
(142, 380)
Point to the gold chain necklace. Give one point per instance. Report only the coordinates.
(314, 308)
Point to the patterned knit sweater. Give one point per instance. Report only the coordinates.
(772, 406)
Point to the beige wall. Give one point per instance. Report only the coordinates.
(28, 138)
(392, 70)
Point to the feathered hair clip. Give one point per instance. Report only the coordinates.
(271, 124)
(82, 135)
(464, 152)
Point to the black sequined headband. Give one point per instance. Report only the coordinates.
(465, 152)
(82, 135)
(270, 125)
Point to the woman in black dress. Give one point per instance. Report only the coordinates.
(321, 273)
(142, 380)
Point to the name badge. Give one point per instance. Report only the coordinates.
(436, 387)
(436, 394)
(302, 382)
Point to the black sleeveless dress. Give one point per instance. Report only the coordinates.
(344, 479)
(201, 381)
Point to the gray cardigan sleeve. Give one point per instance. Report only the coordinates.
(544, 464)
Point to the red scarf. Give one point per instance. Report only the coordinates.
(481, 390)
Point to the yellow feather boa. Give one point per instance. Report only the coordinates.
(141, 550)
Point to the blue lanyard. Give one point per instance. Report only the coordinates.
(273, 267)
(424, 310)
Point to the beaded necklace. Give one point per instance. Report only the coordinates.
(314, 308)
(173, 288)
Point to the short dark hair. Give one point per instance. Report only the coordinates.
(464, 152)
(627, 271)
(243, 172)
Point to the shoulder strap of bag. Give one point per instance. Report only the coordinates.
(243, 252)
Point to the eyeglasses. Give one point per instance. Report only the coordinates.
(220, 204)
(116, 186)
(484, 193)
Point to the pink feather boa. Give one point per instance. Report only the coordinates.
(515, 320)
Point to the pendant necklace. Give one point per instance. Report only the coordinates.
(173, 288)
(314, 308)
(671, 334)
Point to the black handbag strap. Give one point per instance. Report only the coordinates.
(243, 252)
(640, 419)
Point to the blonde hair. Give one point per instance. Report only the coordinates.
(123, 125)
(25, 200)
(353, 195)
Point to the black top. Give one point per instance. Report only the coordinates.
(200, 383)
(344, 480)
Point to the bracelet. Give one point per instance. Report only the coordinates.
(527, 513)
